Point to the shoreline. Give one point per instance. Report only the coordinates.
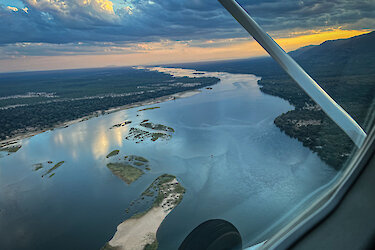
(17, 138)
(139, 231)
(136, 233)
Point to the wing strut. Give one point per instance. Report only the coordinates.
(329, 106)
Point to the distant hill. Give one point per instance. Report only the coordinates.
(354, 55)
(335, 57)
(360, 45)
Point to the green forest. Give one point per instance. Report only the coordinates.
(34, 101)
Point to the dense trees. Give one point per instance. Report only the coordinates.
(80, 93)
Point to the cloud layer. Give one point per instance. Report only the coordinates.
(67, 21)
(32, 28)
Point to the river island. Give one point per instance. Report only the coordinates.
(139, 231)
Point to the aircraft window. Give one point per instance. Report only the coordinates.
(163, 125)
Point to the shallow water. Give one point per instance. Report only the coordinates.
(233, 161)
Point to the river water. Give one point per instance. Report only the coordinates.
(233, 161)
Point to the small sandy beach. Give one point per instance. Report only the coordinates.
(136, 233)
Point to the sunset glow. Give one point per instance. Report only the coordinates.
(162, 53)
(101, 33)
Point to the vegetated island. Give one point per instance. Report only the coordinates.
(50, 171)
(125, 171)
(113, 153)
(139, 231)
(139, 135)
(130, 169)
(154, 126)
(122, 124)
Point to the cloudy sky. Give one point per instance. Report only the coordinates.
(52, 34)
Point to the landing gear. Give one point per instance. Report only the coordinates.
(213, 235)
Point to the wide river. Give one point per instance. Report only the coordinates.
(226, 151)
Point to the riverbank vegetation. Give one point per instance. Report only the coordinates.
(344, 68)
(151, 108)
(11, 149)
(67, 95)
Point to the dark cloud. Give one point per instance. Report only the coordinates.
(279, 15)
(19, 50)
(146, 20)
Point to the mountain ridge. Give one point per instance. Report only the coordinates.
(346, 56)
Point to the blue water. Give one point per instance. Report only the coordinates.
(233, 161)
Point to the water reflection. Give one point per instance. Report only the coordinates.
(100, 146)
(98, 138)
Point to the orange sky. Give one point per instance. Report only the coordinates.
(174, 52)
